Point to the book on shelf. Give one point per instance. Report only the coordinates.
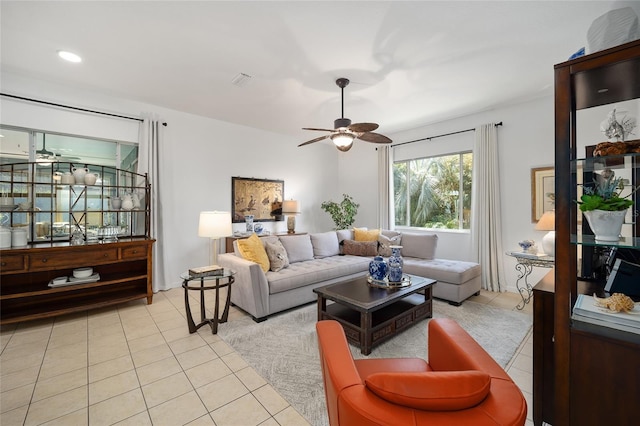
(206, 271)
(586, 310)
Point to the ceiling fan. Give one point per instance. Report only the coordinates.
(344, 132)
(45, 156)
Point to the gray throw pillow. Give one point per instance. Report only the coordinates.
(277, 255)
(385, 243)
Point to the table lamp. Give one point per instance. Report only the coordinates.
(548, 223)
(214, 225)
(291, 208)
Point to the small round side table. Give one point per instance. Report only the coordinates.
(221, 281)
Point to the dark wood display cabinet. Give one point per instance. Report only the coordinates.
(73, 225)
(586, 374)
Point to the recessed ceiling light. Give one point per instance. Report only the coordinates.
(69, 56)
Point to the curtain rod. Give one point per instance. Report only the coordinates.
(74, 108)
(439, 136)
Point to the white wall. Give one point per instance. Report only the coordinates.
(200, 156)
(203, 154)
(526, 140)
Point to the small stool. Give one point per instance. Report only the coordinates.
(221, 281)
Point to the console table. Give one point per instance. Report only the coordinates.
(525, 262)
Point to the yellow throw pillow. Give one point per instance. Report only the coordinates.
(365, 235)
(252, 249)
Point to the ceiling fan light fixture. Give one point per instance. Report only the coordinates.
(69, 56)
(342, 139)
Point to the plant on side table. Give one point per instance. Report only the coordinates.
(343, 214)
(603, 207)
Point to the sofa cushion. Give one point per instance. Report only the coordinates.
(344, 234)
(360, 248)
(363, 234)
(325, 244)
(298, 247)
(433, 390)
(277, 254)
(309, 272)
(252, 249)
(385, 243)
(443, 270)
(419, 245)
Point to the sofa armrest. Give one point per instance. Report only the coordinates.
(250, 291)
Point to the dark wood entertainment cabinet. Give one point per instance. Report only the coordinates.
(125, 269)
(585, 374)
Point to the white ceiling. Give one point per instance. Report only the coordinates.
(410, 63)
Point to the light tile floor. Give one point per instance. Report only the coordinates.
(137, 364)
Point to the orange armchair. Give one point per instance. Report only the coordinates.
(460, 385)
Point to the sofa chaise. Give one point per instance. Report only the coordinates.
(274, 273)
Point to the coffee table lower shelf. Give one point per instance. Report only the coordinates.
(385, 322)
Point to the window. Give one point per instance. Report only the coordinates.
(433, 192)
(18, 145)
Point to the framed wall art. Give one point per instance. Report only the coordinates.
(261, 198)
(543, 194)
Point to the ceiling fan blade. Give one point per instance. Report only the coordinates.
(314, 140)
(362, 127)
(320, 130)
(374, 138)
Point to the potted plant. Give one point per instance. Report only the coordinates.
(604, 208)
(343, 214)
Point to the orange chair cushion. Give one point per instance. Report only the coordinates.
(433, 390)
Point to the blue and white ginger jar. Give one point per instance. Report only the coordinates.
(378, 268)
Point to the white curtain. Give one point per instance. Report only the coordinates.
(486, 220)
(149, 161)
(384, 187)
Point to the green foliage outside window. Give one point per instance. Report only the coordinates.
(434, 192)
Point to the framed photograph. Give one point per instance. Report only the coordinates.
(261, 198)
(543, 194)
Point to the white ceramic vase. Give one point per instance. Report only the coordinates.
(606, 225)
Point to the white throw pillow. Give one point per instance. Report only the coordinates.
(385, 243)
(277, 254)
(298, 247)
(325, 244)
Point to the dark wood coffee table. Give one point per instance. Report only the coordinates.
(371, 315)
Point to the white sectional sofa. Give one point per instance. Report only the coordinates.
(317, 260)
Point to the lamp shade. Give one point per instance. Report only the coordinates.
(290, 207)
(547, 222)
(215, 224)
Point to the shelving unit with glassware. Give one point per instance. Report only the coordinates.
(72, 225)
(595, 370)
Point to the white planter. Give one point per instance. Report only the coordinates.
(606, 225)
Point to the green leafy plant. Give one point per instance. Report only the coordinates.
(605, 195)
(343, 214)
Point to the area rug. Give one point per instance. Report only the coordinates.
(284, 349)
